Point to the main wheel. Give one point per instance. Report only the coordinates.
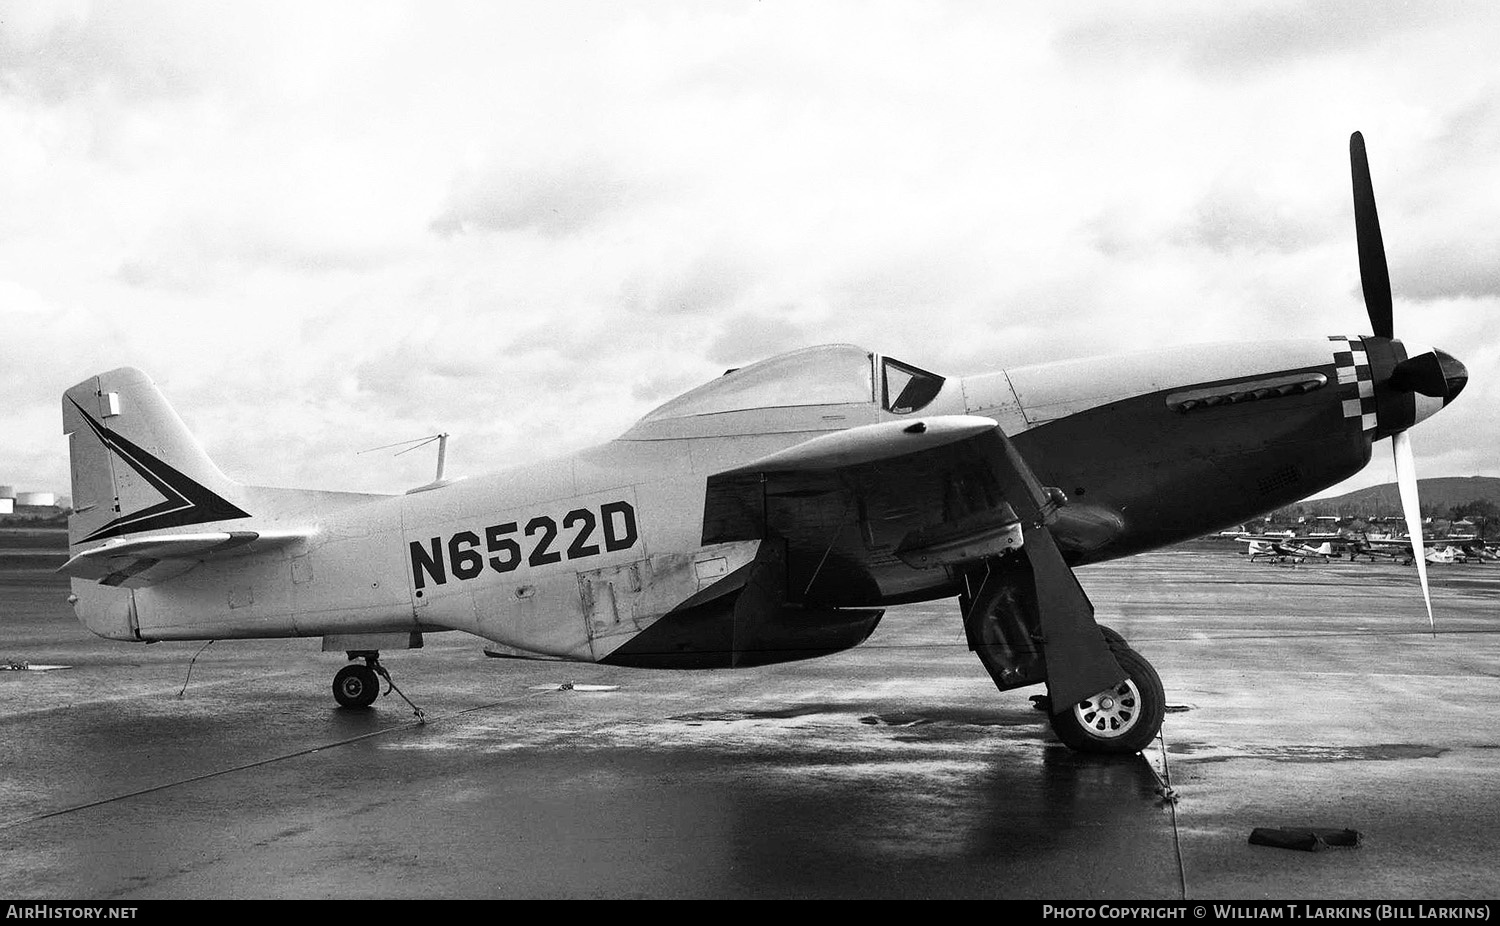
(356, 686)
(1112, 638)
(1124, 719)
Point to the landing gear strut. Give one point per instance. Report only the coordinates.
(1001, 620)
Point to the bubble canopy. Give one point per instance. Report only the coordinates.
(830, 374)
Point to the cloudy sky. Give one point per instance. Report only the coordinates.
(323, 227)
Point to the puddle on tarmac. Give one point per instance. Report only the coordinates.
(1381, 752)
(888, 719)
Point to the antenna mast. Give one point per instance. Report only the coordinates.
(417, 442)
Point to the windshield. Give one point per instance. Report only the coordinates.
(908, 388)
(833, 374)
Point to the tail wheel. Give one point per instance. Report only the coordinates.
(1124, 719)
(356, 686)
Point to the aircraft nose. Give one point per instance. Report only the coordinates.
(1455, 375)
(1436, 374)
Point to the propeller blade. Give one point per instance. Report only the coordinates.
(1406, 481)
(1374, 275)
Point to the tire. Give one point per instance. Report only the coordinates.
(1114, 640)
(356, 686)
(1121, 721)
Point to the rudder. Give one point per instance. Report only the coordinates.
(135, 465)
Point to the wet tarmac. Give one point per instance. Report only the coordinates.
(1308, 696)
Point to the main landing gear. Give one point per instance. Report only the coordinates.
(1123, 719)
(1001, 620)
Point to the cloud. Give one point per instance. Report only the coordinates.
(1442, 240)
(330, 226)
(1230, 219)
(557, 199)
(1226, 42)
(705, 285)
(58, 52)
(1458, 269)
(752, 336)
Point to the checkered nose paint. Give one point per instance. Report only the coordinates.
(1356, 385)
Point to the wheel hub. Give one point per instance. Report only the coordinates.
(1110, 713)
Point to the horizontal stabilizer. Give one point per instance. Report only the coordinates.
(871, 442)
(143, 561)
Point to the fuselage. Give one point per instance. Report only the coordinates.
(574, 556)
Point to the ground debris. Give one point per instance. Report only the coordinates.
(1307, 839)
(572, 686)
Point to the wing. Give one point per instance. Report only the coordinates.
(845, 503)
(868, 444)
(143, 561)
(872, 502)
(867, 515)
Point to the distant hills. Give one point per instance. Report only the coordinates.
(1438, 497)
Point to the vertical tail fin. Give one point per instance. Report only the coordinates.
(135, 465)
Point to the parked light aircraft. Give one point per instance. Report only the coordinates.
(768, 515)
(1402, 550)
(1442, 553)
(1476, 551)
(1373, 548)
(1462, 548)
(1286, 550)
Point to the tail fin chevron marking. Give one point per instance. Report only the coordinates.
(184, 501)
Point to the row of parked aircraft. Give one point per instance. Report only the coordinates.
(1277, 548)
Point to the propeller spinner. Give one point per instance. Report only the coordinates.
(1433, 374)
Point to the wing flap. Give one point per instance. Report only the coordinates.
(142, 561)
(976, 537)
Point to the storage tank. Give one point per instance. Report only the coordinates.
(36, 499)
